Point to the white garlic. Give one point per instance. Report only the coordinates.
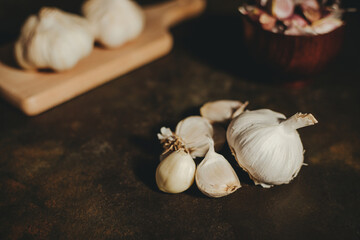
(176, 172)
(192, 134)
(267, 145)
(222, 110)
(195, 132)
(114, 21)
(214, 176)
(53, 39)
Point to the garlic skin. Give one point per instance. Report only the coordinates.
(114, 21)
(195, 132)
(176, 172)
(222, 110)
(267, 145)
(192, 134)
(53, 39)
(214, 176)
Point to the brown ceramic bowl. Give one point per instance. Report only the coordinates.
(304, 55)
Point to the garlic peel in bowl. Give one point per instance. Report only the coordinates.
(214, 176)
(53, 39)
(114, 21)
(267, 145)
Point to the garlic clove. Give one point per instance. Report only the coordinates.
(282, 9)
(310, 9)
(114, 21)
(326, 25)
(194, 132)
(221, 110)
(214, 175)
(176, 172)
(267, 146)
(54, 39)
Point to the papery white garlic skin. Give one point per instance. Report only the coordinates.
(195, 132)
(114, 21)
(267, 146)
(222, 110)
(53, 39)
(176, 172)
(214, 176)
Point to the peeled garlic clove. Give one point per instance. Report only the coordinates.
(267, 146)
(310, 9)
(267, 21)
(114, 21)
(176, 172)
(214, 176)
(326, 25)
(194, 132)
(54, 39)
(282, 9)
(221, 110)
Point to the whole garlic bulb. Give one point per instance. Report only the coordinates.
(53, 39)
(267, 145)
(114, 21)
(176, 172)
(214, 176)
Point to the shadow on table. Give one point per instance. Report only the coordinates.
(217, 41)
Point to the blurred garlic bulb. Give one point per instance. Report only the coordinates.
(176, 172)
(214, 175)
(114, 21)
(267, 145)
(222, 110)
(53, 39)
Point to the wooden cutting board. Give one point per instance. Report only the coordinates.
(35, 92)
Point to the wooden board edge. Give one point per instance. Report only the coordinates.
(40, 103)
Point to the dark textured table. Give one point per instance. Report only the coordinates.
(86, 169)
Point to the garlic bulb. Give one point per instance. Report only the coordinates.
(176, 172)
(114, 21)
(267, 145)
(53, 39)
(214, 175)
(222, 110)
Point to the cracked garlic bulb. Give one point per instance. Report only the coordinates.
(114, 21)
(267, 146)
(214, 176)
(53, 39)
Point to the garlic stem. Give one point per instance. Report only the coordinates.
(299, 120)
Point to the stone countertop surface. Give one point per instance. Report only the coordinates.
(86, 169)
